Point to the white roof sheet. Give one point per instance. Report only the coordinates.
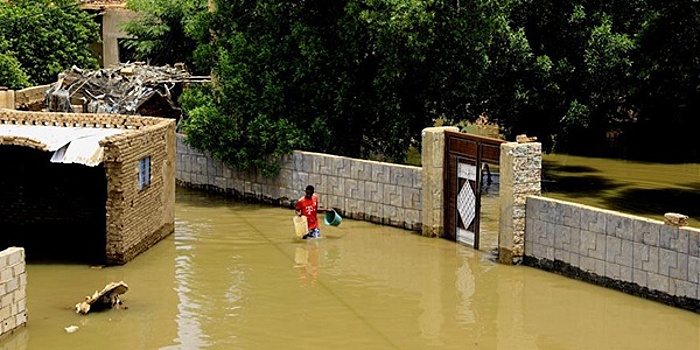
(69, 144)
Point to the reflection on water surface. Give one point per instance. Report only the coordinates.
(233, 276)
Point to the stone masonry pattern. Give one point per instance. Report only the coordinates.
(432, 185)
(383, 193)
(139, 218)
(520, 174)
(13, 290)
(639, 253)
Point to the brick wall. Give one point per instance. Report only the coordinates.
(7, 98)
(139, 218)
(135, 219)
(31, 97)
(633, 254)
(13, 294)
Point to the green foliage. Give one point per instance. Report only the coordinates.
(573, 72)
(354, 78)
(11, 74)
(167, 31)
(667, 98)
(566, 71)
(253, 144)
(48, 36)
(361, 78)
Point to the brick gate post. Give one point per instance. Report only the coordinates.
(7, 98)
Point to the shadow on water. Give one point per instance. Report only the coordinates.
(211, 198)
(695, 186)
(577, 186)
(655, 201)
(556, 166)
(638, 188)
(560, 178)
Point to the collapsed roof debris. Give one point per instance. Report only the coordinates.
(129, 88)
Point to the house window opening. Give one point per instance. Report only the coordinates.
(144, 172)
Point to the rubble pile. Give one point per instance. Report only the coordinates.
(130, 88)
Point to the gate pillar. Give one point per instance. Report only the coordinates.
(433, 179)
(7, 98)
(520, 173)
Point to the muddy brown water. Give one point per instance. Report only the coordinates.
(233, 276)
(640, 188)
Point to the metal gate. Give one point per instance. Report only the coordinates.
(466, 158)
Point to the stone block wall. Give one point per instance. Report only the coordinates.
(379, 192)
(633, 254)
(13, 290)
(136, 219)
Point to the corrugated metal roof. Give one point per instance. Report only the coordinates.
(69, 144)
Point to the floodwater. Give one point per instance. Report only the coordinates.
(639, 188)
(233, 276)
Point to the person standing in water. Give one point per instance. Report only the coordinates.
(308, 207)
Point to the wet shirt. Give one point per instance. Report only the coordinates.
(308, 208)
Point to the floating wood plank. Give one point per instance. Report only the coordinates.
(107, 298)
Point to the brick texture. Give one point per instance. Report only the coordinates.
(13, 290)
(105, 212)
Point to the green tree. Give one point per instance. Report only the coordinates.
(354, 78)
(11, 74)
(563, 70)
(168, 31)
(668, 97)
(48, 36)
(583, 73)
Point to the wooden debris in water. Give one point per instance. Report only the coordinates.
(107, 298)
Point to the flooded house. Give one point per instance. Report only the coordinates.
(88, 188)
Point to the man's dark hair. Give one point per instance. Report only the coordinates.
(310, 188)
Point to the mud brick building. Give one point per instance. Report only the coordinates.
(97, 188)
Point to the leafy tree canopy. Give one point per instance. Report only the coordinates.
(354, 78)
(601, 78)
(361, 78)
(167, 32)
(11, 74)
(564, 69)
(47, 37)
